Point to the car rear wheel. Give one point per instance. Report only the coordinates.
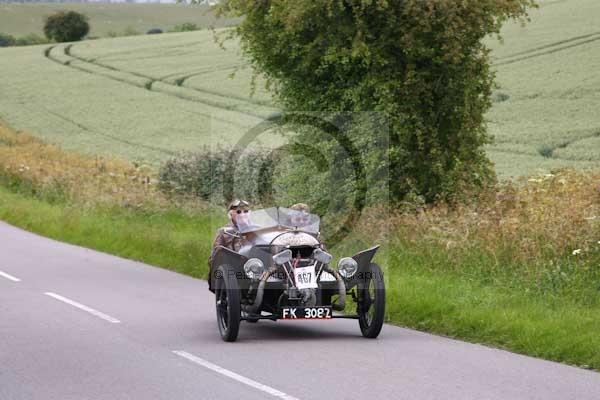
(371, 302)
(227, 296)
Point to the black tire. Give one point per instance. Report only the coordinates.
(227, 300)
(371, 302)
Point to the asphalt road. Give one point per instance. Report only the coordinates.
(78, 324)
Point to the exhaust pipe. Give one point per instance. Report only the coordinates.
(254, 307)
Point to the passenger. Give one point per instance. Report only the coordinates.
(300, 216)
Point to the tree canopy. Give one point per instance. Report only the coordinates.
(421, 63)
(66, 26)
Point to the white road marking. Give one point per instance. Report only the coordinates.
(234, 376)
(84, 308)
(9, 277)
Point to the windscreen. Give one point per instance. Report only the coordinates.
(300, 220)
(257, 220)
(278, 217)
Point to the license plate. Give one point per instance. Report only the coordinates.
(306, 313)
(305, 277)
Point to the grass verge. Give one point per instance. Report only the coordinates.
(171, 238)
(554, 328)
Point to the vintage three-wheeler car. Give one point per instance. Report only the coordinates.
(283, 271)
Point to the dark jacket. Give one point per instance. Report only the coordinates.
(225, 240)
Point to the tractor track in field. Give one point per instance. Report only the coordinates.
(217, 101)
(67, 51)
(181, 81)
(537, 156)
(528, 51)
(548, 151)
(147, 86)
(551, 149)
(185, 77)
(112, 137)
(115, 54)
(547, 49)
(118, 139)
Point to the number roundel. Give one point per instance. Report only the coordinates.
(305, 277)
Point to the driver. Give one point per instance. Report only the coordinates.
(238, 213)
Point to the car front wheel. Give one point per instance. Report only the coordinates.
(227, 296)
(371, 302)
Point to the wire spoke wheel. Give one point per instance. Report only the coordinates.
(371, 302)
(228, 307)
(222, 310)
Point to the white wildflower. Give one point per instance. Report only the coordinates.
(576, 252)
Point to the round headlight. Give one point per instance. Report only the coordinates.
(322, 256)
(283, 257)
(347, 267)
(254, 268)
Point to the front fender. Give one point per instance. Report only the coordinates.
(225, 256)
(363, 259)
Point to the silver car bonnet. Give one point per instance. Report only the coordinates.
(279, 237)
(295, 239)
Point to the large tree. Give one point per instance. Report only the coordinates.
(421, 63)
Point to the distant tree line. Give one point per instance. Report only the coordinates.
(7, 40)
(63, 26)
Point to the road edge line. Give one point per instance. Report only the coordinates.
(90, 310)
(233, 375)
(9, 277)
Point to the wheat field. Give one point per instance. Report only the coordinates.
(546, 107)
(140, 113)
(148, 97)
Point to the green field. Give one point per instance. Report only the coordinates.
(138, 113)
(23, 19)
(147, 97)
(550, 72)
